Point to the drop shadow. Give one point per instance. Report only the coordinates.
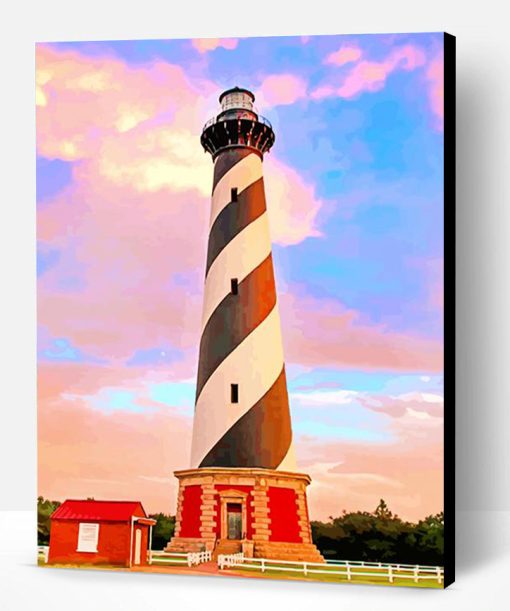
(478, 428)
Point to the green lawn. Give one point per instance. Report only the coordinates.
(41, 562)
(377, 578)
(273, 573)
(113, 567)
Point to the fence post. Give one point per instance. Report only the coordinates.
(390, 573)
(304, 569)
(416, 574)
(262, 564)
(348, 571)
(438, 571)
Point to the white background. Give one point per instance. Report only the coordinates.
(483, 255)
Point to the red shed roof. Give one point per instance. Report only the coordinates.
(106, 511)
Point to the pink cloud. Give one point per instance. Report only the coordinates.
(117, 455)
(371, 75)
(204, 45)
(407, 473)
(116, 239)
(293, 205)
(320, 332)
(113, 99)
(280, 89)
(435, 78)
(115, 224)
(410, 483)
(324, 91)
(419, 404)
(345, 55)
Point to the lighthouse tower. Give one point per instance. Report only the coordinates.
(242, 491)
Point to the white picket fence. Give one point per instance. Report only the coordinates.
(228, 560)
(153, 557)
(341, 568)
(351, 569)
(190, 558)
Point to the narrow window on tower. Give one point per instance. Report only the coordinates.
(234, 286)
(233, 194)
(234, 393)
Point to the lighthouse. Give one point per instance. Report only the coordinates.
(242, 490)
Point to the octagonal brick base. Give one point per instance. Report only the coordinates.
(272, 504)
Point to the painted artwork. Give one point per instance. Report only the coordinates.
(243, 246)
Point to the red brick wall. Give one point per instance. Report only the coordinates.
(112, 545)
(190, 519)
(283, 514)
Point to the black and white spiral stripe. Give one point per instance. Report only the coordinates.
(241, 336)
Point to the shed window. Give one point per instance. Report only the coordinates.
(234, 286)
(88, 535)
(234, 393)
(233, 194)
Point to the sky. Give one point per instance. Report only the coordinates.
(354, 188)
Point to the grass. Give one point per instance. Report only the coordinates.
(167, 563)
(377, 578)
(107, 567)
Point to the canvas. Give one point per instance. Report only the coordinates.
(245, 307)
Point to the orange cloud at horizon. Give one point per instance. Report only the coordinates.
(86, 452)
(407, 474)
(115, 454)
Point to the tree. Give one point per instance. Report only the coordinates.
(381, 536)
(163, 530)
(44, 510)
(382, 511)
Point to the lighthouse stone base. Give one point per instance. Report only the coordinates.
(260, 512)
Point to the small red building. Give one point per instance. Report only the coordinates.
(100, 532)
